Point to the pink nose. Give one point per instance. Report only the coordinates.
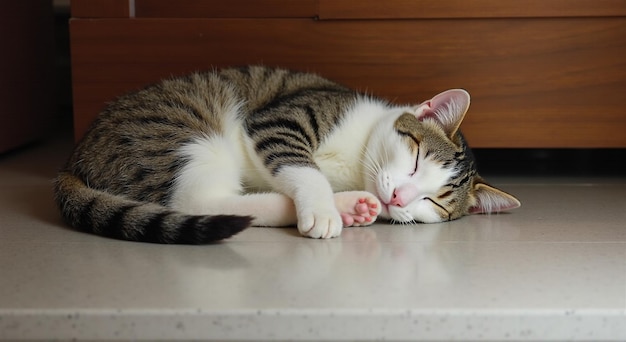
(396, 200)
(403, 195)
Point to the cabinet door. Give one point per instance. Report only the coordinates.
(535, 80)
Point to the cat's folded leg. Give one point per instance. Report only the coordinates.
(308, 201)
(320, 213)
(355, 208)
(268, 209)
(313, 198)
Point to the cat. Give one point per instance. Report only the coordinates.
(196, 159)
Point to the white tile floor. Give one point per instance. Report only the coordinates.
(552, 270)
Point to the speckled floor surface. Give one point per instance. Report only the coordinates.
(554, 269)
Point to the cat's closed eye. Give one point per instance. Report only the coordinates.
(417, 159)
(440, 208)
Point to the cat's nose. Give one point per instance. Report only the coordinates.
(403, 195)
(396, 200)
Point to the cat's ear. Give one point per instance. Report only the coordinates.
(489, 199)
(447, 108)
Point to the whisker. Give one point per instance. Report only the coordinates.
(371, 165)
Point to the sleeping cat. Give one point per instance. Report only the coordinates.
(199, 158)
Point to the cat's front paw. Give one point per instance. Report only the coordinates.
(320, 224)
(357, 208)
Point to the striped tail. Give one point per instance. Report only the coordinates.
(114, 216)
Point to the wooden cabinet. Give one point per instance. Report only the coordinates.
(26, 71)
(549, 73)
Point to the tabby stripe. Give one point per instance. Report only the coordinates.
(286, 158)
(147, 120)
(140, 175)
(156, 153)
(153, 230)
(145, 195)
(159, 134)
(289, 124)
(459, 156)
(274, 156)
(85, 219)
(163, 197)
(177, 104)
(313, 121)
(275, 142)
(114, 223)
(147, 117)
(463, 180)
(293, 136)
(114, 157)
(153, 193)
(124, 141)
(188, 232)
(175, 165)
(289, 99)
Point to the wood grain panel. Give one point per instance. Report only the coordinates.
(226, 9)
(100, 8)
(27, 68)
(399, 9)
(534, 82)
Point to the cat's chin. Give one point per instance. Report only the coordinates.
(384, 213)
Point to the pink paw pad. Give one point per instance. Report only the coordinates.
(357, 210)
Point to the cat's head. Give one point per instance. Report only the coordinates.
(421, 168)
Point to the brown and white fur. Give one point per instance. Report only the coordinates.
(197, 159)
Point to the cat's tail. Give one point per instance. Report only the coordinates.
(114, 216)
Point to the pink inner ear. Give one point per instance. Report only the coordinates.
(425, 110)
(487, 210)
(491, 200)
(447, 108)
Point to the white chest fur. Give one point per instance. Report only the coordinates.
(340, 157)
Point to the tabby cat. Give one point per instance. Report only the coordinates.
(199, 158)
